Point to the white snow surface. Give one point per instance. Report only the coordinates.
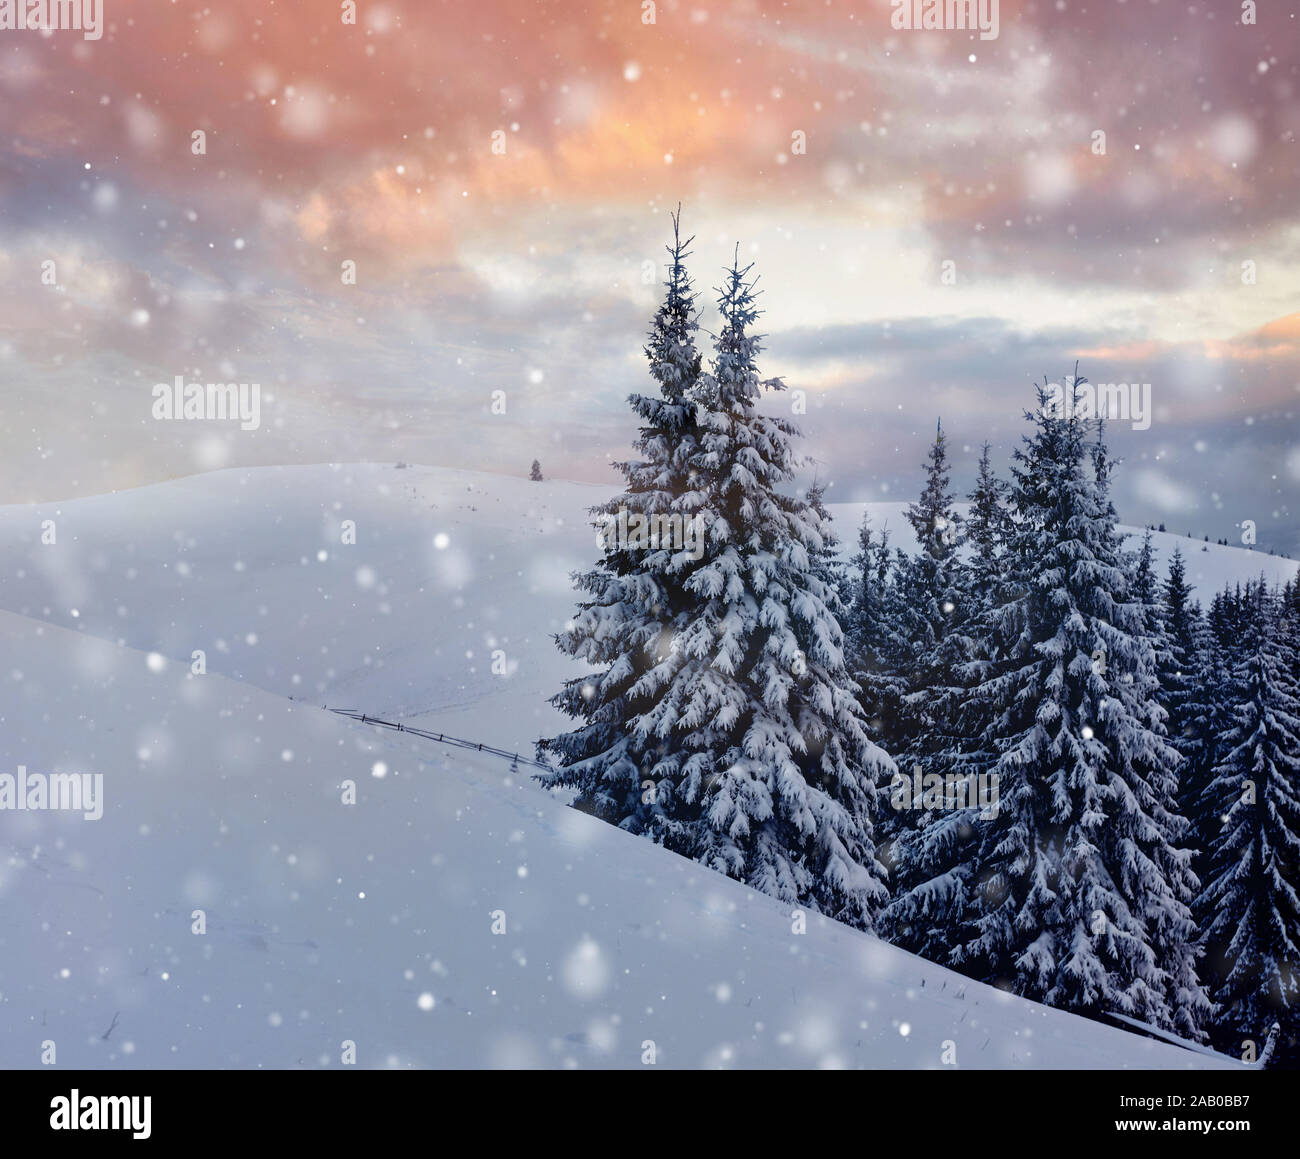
(373, 923)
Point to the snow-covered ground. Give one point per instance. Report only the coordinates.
(374, 922)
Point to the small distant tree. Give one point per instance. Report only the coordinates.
(536, 473)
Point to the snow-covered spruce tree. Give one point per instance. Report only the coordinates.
(927, 622)
(1189, 692)
(1177, 659)
(535, 472)
(931, 859)
(903, 612)
(777, 778)
(932, 516)
(1206, 716)
(1144, 588)
(1142, 758)
(826, 562)
(871, 643)
(1202, 719)
(1147, 592)
(1077, 891)
(987, 530)
(932, 586)
(758, 757)
(992, 582)
(1250, 907)
(636, 601)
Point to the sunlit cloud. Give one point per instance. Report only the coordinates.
(497, 178)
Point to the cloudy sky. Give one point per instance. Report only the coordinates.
(1169, 258)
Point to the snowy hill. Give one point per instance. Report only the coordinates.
(447, 567)
(373, 922)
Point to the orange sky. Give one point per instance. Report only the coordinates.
(482, 268)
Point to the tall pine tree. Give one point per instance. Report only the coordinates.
(636, 601)
(746, 726)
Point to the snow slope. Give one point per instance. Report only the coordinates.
(372, 922)
(225, 795)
